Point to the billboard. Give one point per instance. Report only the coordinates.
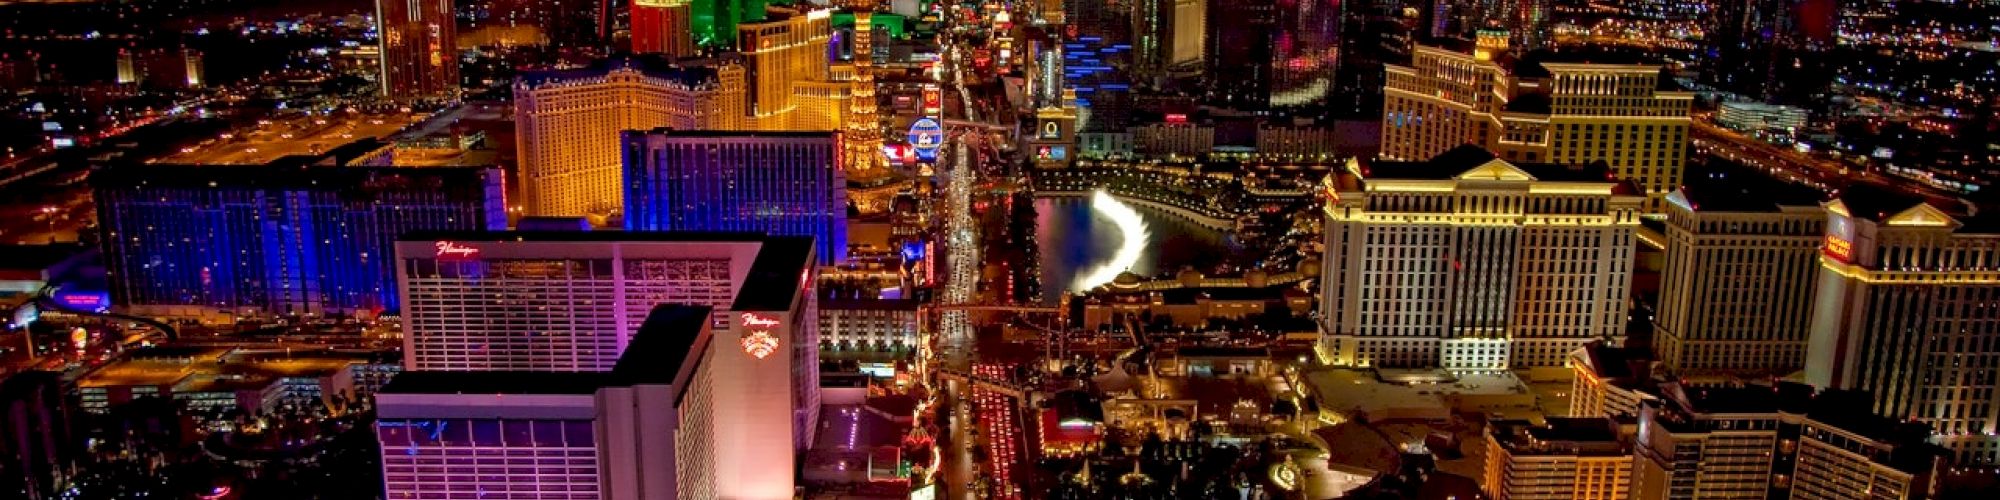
(926, 136)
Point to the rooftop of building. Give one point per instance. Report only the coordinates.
(1727, 187)
(771, 284)
(687, 73)
(778, 276)
(332, 178)
(1560, 436)
(1462, 159)
(1616, 365)
(1531, 103)
(740, 134)
(196, 363)
(496, 382)
(1973, 214)
(669, 339)
(1847, 410)
(1405, 394)
(666, 341)
(1531, 64)
(596, 236)
(851, 304)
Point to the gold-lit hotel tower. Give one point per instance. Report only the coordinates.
(568, 123)
(662, 27)
(419, 51)
(1466, 261)
(779, 79)
(1539, 107)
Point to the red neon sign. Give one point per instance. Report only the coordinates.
(1839, 249)
(450, 250)
(760, 344)
(754, 320)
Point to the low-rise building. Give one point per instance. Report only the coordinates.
(868, 325)
(1580, 458)
(1756, 116)
(1782, 441)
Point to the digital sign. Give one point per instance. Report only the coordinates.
(1054, 153)
(83, 300)
(926, 135)
(933, 100)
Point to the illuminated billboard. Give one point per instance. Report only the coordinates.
(926, 135)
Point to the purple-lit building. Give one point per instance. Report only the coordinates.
(548, 328)
(193, 241)
(780, 183)
(559, 436)
(688, 413)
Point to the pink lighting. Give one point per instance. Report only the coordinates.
(754, 320)
(451, 250)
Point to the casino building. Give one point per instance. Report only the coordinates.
(1467, 261)
(786, 183)
(689, 412)
(553, 329)
(1906, 309)
(222, 241)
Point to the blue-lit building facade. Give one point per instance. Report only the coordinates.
(779, 183)
(1097, 43)
(193, 241)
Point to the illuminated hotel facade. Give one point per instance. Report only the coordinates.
(567, 123)
(781, 183)
(1471, 262)
(1736, 292)
(193, 241)
(1780, 441)
(1906, 309)
(419, 49)
(559, 301)
(1581, 458)
(663, 27)
(689, 412)
(787, 47)
(557, 304)
(1533, 109)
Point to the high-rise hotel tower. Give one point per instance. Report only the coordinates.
(212, 240)
(1736, 294)
(1470, 262)
(780, 183)
(419, 49)
(1538, 107)
(1908, 308)
(568, 122)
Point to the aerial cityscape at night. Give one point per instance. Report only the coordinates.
(999, 249)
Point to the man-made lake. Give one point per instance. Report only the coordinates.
(1086, 241)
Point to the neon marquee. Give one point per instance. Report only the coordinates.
(452, 250)
(755, 320)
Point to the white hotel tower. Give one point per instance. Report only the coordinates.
(1908, 308)
(1469, 262)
